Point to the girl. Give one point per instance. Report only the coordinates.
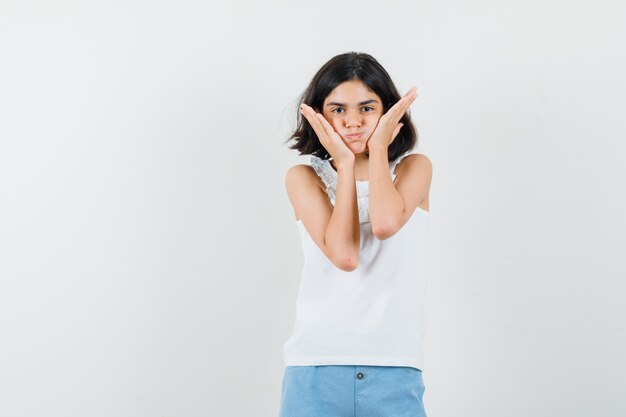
(362, 210)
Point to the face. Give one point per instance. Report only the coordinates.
(352, 108)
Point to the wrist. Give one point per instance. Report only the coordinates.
(345, 166)
(378, 149)
(345, 161)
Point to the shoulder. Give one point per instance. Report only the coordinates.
(307, 193)
(299, 171)
(301, 175)
(416, 158)
(415, 163)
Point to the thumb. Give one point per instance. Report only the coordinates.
(396, 131)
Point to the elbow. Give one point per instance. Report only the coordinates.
(383, 231)
(347, 263)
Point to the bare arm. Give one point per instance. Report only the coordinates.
(385, 203)
(335, 230)
(391, 205)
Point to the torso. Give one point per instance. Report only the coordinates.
(374, 315)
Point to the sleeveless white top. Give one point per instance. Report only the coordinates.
(373, 315)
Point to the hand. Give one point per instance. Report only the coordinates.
(388, 126)
(329, 138)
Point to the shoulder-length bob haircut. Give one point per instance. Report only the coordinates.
(346, 67)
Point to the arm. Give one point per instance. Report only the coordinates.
(385, 203)
(335, 230)
(343, 232)
(391, 205)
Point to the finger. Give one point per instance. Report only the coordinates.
(328, 128)
(398, 110)
(401, 105)
(412, 91)
(396, 131)
(309, 113)
(408, 98)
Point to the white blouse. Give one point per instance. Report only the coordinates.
(373, 315)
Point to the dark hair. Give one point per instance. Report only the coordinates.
(346, 67)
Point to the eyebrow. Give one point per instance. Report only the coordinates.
(334, 103)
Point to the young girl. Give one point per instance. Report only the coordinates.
(362, 212)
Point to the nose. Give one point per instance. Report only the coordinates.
(353, 119)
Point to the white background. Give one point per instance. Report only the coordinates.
(149, 257)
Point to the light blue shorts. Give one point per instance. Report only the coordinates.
(352, 391)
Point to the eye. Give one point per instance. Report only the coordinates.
(368, 107)
(338, 108)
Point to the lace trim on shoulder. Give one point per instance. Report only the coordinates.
(326, 173)
(392, 167)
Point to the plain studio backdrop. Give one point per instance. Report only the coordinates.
(149, 255)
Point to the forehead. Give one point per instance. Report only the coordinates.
(352, 91)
